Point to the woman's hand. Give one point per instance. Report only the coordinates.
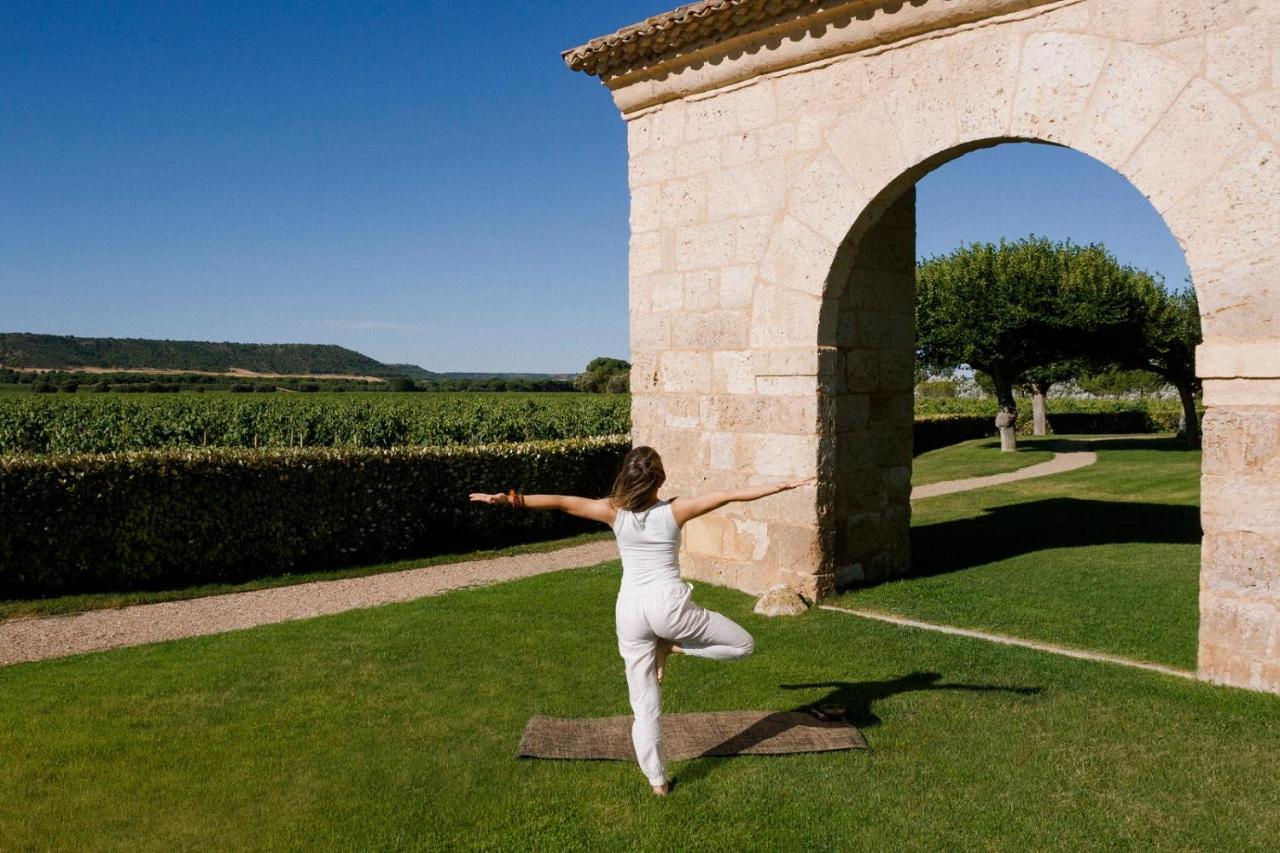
(797, 484)
(501, 499)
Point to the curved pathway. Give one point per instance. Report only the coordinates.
(1068, 460)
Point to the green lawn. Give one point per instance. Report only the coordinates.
(978, 458)
(395, 728)
(1105, 557)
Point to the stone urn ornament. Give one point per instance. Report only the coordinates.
(1005, 424)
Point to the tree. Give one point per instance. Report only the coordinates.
(979, 306)
(1039, 380)
(599, 371)
(618, 383)
(1115, 381)
(1022, 311)
(1167, 346)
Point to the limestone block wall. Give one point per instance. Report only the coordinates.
(864, 466)
(764, 349)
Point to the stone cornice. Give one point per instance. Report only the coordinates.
(715, 43)
(680, 31)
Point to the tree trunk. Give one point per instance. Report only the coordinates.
(1190, 421)
(1039, 426)
(1007, 416)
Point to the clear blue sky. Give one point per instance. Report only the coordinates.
(424, 182)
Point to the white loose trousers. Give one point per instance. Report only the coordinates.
(666, 612)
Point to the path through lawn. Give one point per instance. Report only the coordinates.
(395, 728)
(978, 458)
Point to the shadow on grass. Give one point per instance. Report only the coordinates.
(1007, 531)
(857, 698)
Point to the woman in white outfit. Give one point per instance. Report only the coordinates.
(655, 616)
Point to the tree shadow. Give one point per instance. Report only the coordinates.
(1127, 442)
(857, 699)
(1002, 532)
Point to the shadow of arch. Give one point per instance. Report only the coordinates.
(1001, 532)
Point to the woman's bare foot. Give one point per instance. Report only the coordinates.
(663, 789)
(664, 648)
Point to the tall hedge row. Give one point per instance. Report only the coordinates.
(939, 430)
(933, 431)
(171, 518)
(157, 519)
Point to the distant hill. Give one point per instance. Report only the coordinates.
(22, 349)
(564, 376)
(412, 371)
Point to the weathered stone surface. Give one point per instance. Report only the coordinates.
(1058, 72)
(780, 600)
(772, 263)
(1242, 200)
(1134, 90)
(1189, 143)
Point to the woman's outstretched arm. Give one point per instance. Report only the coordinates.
(597, 510)
(684, 509)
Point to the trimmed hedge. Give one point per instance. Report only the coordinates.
(172, 518)
(1163, 415)
(166, 519)
(1066, 417)
(933, 431)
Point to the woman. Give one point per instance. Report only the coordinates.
(655, 616)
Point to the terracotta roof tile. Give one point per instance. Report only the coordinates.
(678, 31)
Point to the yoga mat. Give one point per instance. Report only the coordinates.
(689, 735)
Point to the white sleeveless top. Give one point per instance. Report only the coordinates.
(648, 542)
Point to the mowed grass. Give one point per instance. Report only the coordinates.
(1105, 557)
(978, 458)
(396, 728)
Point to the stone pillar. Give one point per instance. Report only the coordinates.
(1240, 516)
(866, 398)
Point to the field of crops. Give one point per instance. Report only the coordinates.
(97, 423)
(37, 423)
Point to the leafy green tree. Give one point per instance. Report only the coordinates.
(599, 372)
(1167, 346)
(1022, 311)
(618, 383)
(1114, 381)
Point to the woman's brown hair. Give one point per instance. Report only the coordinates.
(640, 475)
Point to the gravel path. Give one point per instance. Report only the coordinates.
(1067, 461)
(57, 636)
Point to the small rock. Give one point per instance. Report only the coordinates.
(781, 600)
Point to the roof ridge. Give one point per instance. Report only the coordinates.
(678, 31)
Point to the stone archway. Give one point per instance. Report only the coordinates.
(773, 145)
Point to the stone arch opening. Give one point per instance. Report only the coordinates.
(867, 356)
